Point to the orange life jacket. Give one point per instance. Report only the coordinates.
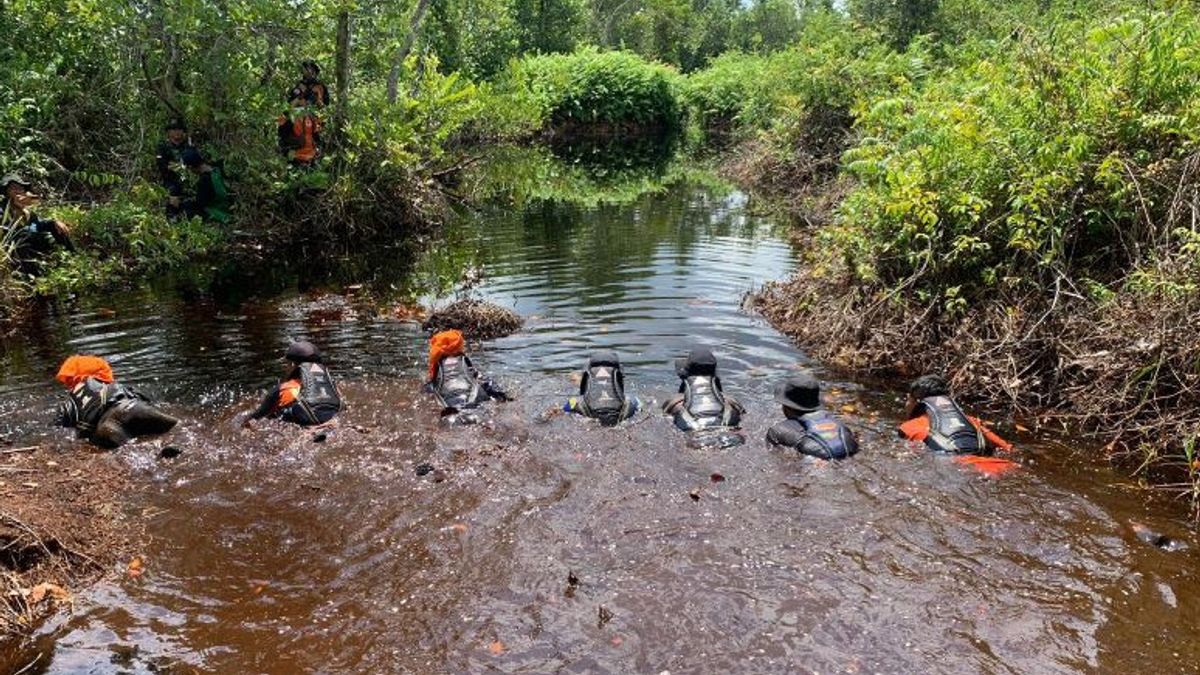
(305, 128)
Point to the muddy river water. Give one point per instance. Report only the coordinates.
(550, 545)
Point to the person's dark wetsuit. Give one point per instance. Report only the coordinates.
(809, 429)
(167, 155)
(106, 413)
(602, 392)
(309, 396)
(702, 403)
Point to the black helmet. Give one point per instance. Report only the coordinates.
(302, 351)
(604, 358)
(699, 361)
(801, 393)
(175, 124)
(309, 63)
(929, 385)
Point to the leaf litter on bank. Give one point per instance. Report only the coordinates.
(59, 537)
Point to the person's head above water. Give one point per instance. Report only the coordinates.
(77, 369)
(799, 394)
(699, 361)
(444, 344)
(303, 351)
(924, 387)
(604, 358)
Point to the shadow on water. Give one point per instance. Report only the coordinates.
(556, 546)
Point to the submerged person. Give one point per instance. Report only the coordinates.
(935, 419)
(104, 412)
(308, 396)
(701, 402)
(453, 378)
(809, 429)
(211, 199)
(602, 391)
(27, 235)
(168, 154)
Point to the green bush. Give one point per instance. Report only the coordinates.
(591, 87)
(124, 238)
(807, 90)
(1052, 158)
(717, 96)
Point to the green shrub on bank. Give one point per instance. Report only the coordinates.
(590, 87)
(123, 239)
(806, 92)
(717, 96)
(1054, 157)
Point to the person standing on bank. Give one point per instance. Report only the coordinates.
(167, 156)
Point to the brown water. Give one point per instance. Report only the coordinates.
(271, 553)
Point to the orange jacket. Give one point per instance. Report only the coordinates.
(917, 429)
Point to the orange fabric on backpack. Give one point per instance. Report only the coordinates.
(917, 429)
(306, 128)
(289, 391)
(441, 345)
(988, 466)
(78, 368)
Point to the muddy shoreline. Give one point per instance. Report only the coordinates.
(63, 527)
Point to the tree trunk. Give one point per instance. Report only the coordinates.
(398, 61)
(342, 75)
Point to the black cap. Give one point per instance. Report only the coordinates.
(175, 124)
(192, 157)
(799, 392)
(302, 351)
(306, 63)
(604, 358)
(699, 361)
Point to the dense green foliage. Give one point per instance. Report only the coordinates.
(590, 87)
(830, 67)
(1030, 164)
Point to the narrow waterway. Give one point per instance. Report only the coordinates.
(271, 553)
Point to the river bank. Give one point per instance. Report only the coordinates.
(63, 526)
